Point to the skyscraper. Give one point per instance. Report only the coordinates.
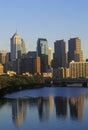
(60, 53)
(17, 47)
(74, 50)
(42, 52)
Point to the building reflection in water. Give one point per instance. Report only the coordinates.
(61, 106)
(18, 111)
(45, 107)
(76, 107)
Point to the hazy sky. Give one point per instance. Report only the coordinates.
(51, 19)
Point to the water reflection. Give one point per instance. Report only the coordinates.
(76, 107)
(2, 103)
(18, 111)
(60, 107)
(45, 107)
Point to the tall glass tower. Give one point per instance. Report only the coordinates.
(17, 47)
(42, 52)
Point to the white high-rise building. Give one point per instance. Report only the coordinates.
(78, 69)
(17, 47)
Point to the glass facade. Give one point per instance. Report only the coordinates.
(42, 52)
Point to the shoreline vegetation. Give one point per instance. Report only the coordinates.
(10, 84)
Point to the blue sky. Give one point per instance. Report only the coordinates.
(51, 19)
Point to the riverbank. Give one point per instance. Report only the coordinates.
(16, 83)
(9, 90)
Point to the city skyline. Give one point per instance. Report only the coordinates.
(17, 39)
(52, 19)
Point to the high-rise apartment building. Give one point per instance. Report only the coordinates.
(78, 69)
(17, 47)
(74, 50)
(42, 52)
(60, 53)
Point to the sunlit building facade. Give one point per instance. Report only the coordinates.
(3, 57)
(74, 50)
(38, 65)
(1, 69)
(17, 47)
(49, 56)
(78, 69)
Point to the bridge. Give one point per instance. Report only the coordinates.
(68, 81)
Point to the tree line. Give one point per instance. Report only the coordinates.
(19, 82)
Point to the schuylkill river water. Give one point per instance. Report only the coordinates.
(46, 108)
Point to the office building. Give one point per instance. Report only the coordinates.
(60, 53)
(17, 47)
(42, 52)
(74, 50)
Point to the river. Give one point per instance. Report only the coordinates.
(53, 108)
